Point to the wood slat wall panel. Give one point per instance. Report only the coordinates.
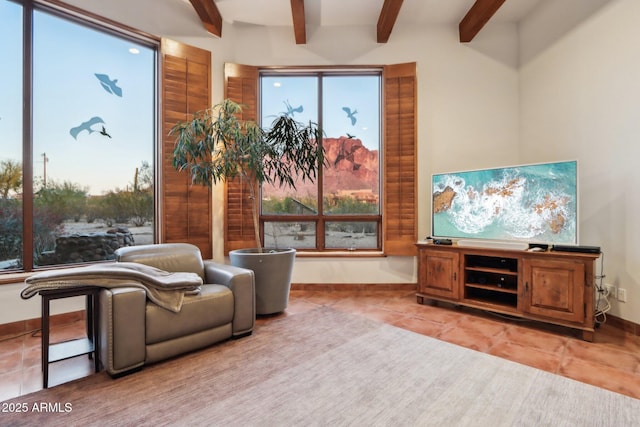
(400, 154)
(186, 88)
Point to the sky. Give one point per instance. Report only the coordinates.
(358, 93)
(67, 93)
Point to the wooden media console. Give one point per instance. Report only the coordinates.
(550, 286)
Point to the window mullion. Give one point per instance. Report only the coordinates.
(27, 139)
(320, 225)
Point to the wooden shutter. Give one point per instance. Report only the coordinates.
(400, 160)
(186, 89)
(241, 86)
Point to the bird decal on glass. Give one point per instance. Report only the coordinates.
(103, 132)
(351, 115)
(290, 110)
(350, 136)
(85, 126)
(109, 85)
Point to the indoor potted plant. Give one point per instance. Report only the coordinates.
(215, 146)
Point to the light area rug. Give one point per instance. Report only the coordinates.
(329, 368)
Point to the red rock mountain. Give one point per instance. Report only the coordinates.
(352, 170)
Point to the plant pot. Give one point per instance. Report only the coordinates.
(272, 269)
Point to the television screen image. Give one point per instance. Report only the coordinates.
(529, 203)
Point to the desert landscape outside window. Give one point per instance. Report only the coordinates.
(341, 210)
(89, 179)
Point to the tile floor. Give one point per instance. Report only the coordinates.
(612, 361)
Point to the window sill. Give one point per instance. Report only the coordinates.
(14, 278)
(341, 254)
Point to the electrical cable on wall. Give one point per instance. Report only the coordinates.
(602, 305)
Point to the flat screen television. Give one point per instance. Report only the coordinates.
(535, 203)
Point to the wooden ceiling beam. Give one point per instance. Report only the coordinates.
(477, 17)
(299, 23)
(209, 15)
(387, 19)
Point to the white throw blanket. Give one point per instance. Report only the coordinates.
(163, 288)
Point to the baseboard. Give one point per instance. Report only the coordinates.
(411, 287)
(624, 325)
(613, 321)
(31, 325)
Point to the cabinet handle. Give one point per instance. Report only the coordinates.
(455, 275)
(526, 286)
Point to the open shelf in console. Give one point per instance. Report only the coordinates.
(491, 279)
(489, 296)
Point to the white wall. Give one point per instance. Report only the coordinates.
(580, 99)
(13, 308)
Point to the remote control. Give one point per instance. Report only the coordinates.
(442, 242)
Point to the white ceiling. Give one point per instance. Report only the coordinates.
(540, 22)
(363, 12)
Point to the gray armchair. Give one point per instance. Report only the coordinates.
(134, 331)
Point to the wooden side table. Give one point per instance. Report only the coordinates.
(90, 345)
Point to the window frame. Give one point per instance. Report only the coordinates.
(320, 219)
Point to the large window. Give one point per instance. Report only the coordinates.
(341, 210)
(77, 178)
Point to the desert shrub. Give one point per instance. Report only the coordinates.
(350, 205)
(10, 229)
(47, 226)
(141, 198)
(289, 205)
(122, 207)
(92, 211)
(66, 200)
(10, 178)
(141, 207)
(133, 205)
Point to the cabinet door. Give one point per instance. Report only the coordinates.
(438, 273)
(554, 289)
